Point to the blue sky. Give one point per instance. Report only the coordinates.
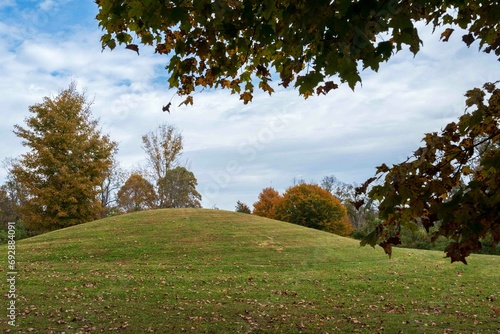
(234, 150)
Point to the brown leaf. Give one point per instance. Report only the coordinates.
(133, 47)
(362, 189)
(161, 49)
(387, 248)
(382, 169)
(262, 71)
(246, 97)
(394, 240)
(445, 35)
(225, 83)
(188, 100)
(266, 88)
(284, 83)
(328, 86)
(454, 253)
(428, 221)
(167, 107)
(468, 39)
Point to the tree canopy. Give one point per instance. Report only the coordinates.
(230, 43)
(65, 165)
(175, 185)
(136, 194)
(266, 204)
(242, 208)
(312, 206)
(452, 181)
(178, 189)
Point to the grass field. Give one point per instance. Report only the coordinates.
(211, 271)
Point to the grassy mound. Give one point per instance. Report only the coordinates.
(211, 271)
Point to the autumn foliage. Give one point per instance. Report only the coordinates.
(136, 194)
(65, 164)
(266, 205)
(312, 206)
(234, 44)
(307, 205)
(452, 182)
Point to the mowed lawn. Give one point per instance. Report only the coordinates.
(212, 271)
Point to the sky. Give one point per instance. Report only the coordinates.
(234, 150)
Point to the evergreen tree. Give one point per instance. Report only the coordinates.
(242, 207)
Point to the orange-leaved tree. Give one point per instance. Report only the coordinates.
(312, 206)
(266, 205)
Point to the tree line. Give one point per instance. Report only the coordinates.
(69, 174)
(336, 207)
(327, 206)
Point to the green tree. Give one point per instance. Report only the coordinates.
(64, 167)
(312, 206)
(178, 189)
(242, 207)
(136, 194)
(266, 204)
(163, 147)
(230, 44)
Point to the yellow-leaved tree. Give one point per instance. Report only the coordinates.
(64, 166)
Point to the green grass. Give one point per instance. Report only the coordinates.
(211, 271)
